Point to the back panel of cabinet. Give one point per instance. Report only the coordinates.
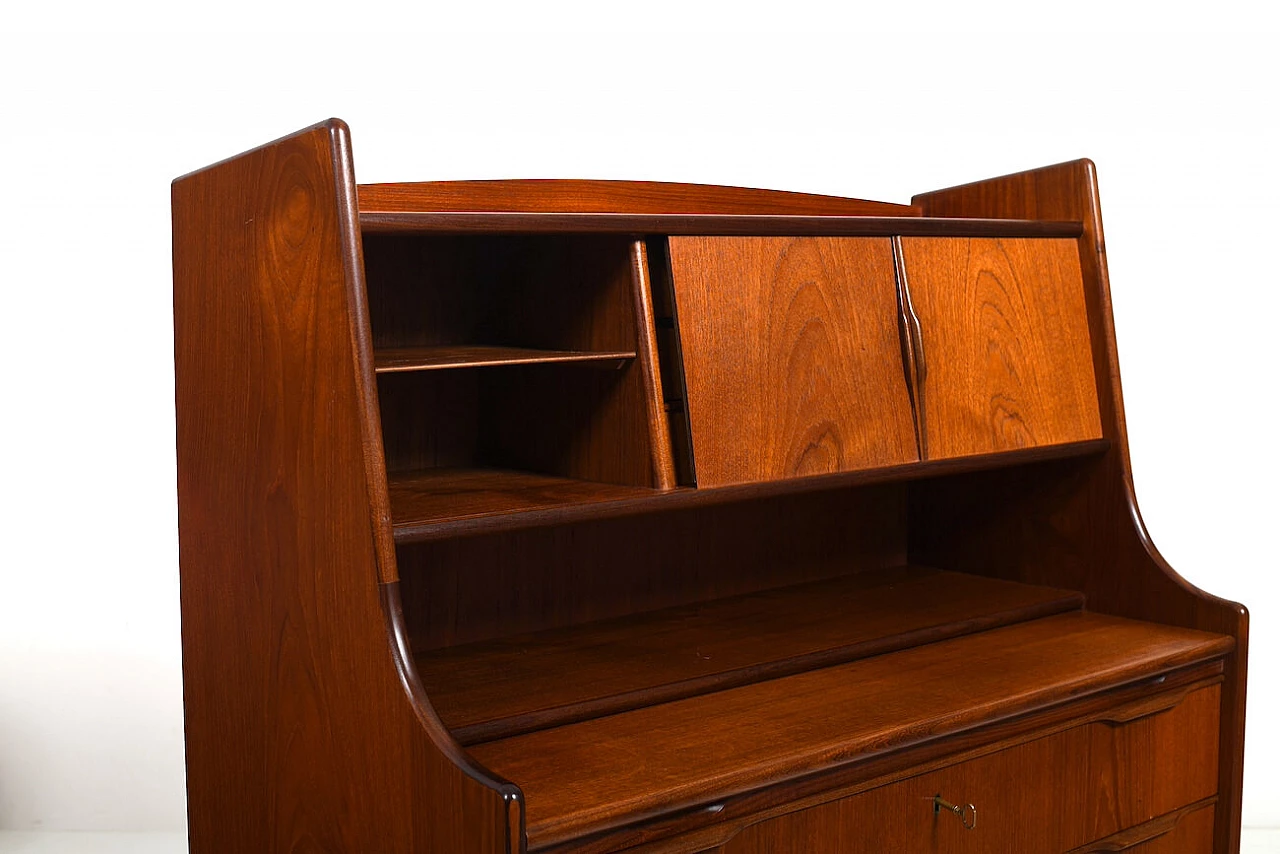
(1005, 341)
(791, 354)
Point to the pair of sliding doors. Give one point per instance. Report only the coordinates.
(813, 355)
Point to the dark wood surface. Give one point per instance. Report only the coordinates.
(537, 578)
(579, 196)
(664, 472)
(1005, 342)
(593, 776)
(300, 734)
(1044, 797)
(420, 517)
(449, 494)
(1091, 513)
(1185, 831)
(791, 357)
(637, 224)
(514, 685)
(708, 828)
(558, 293)
(396, 359)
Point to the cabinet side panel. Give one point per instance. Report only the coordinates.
(1006, 344)
(1078, 525)
(791, 356)
(300, 733)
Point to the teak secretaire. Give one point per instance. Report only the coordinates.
(606, 516)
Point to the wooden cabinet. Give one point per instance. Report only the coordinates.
(791, 356)
(1005, 344)
(577, 516)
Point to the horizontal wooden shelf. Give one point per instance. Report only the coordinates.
(503, 222)
(692, 754)
(398, 359)
(433, 504)
(502, 688)
(429, 497)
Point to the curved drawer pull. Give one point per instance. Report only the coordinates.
(968, 814)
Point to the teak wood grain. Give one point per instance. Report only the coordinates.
(506, 519)
(1185, 831)
(439, 494)
(509, 686)
(300, 733)
(1043, 797)
(578, 196)
(1005, 341)
(471, 589)
(664, 471)
(1095, 517)
(791, 356)
(557, 293)
(606, 773)
(426, 524)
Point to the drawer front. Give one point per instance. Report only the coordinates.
(1190, 834)
(1047, 796)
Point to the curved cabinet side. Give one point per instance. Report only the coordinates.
(303, 732)
(1082, 530)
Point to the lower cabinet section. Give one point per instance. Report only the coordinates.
(1066, 792)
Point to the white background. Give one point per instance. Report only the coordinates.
(1176, 104)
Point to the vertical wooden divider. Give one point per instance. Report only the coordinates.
(664, 471)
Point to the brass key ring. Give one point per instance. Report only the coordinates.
(968, 814)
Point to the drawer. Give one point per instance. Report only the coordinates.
(1186, 832)
(1047, 796)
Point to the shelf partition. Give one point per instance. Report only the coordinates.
(401, 359)
(514, 685)
(432, 504)
(441, 495)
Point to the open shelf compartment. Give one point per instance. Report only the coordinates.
(607, 725)
(512, 685)
(673, 761)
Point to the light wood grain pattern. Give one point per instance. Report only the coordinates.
(791, 356)
(1042, 797)
(1006, 344)
(608, 772)
(506, 687)
(401, 359)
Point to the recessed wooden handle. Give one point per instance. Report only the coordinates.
(1147, 706)
(912, 339)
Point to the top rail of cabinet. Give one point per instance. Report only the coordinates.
(647, 207)
(495, 222)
